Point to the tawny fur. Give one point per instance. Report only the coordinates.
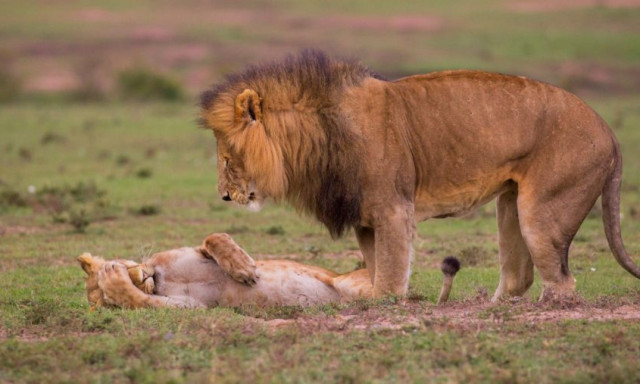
(195, 277)
(356, 151)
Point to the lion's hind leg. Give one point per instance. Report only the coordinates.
(516, 266)
(548, 223)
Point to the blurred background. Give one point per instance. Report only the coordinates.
(99, 103)
(172, 50)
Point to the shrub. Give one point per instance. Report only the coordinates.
(89, 88)
(275, 230)
(147, 210)
(11, 198)
(143, 85)
(476, 256)
(10, 84)
(80, 220)
(144, 173)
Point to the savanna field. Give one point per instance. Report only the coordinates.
(100, 151)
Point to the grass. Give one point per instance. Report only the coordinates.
(144, 176)
(48, 333)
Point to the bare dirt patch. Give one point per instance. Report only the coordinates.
(401, 23)
(9, 230)
(411, 315)
(96, 15)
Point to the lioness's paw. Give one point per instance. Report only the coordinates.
(115, 283)
(242, 270)
(230, 257)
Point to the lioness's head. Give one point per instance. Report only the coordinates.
(250, 165)
(141, 275)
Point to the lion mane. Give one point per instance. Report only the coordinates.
(311, 159)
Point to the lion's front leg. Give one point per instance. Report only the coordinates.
(366, 240)
(393, 251)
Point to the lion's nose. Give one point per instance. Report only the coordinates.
(226, 196)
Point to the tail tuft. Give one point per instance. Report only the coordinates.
(450, 266)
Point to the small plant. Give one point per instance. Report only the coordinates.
(275, 230)
(123, 160)
(144, 173)
(144, 85)
(25, 154)
(90, 88)
(59, 198)
(79, 220)
(313, 250)
(38, 311)
(10, 84)
(475, 256)
(77, 205)
(52, 137)
(147, 210)
(11, 198)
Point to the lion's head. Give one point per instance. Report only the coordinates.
(280, 135)
(250, 164)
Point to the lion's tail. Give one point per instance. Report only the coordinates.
(611, 216)
(450, 266)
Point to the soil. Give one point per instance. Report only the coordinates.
(410, 315)
(9, 230)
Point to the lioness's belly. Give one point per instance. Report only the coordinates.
(185, 272)
(280, 283)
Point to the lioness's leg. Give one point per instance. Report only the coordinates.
(516, 266)
(230, 257)
(118, 290)
(393, 250)
(366, 240)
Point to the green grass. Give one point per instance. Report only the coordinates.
(156, 171)
(48, 332)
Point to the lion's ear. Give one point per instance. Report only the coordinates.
(248, 106)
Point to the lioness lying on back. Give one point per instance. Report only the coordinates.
(219, 272)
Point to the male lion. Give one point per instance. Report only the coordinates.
(357, 151)
(217, 273)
